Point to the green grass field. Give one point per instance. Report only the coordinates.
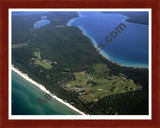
(90, 88)
(42, 62)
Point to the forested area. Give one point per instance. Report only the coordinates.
(68, 51)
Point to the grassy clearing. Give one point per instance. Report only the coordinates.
(42, 62)
(92, 89)
(37, 54)
(19, 45)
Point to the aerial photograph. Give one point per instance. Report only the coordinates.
(79, 62)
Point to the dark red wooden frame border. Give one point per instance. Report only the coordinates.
(6, 4)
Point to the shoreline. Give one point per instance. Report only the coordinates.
(101, 52)
(127, 66)
(41, 87)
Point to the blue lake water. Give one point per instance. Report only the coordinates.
(41, 23)
(129, 48)
(25, 95)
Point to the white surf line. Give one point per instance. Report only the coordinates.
(25, 76)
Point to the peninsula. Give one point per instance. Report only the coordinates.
(64, 61)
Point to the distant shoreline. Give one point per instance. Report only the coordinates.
(26, 77)
(94, 44)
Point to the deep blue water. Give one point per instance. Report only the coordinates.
(129, 48)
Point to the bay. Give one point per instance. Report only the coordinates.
(129, 48)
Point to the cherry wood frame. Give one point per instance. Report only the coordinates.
(6, 4)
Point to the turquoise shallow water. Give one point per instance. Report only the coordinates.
(25, 100)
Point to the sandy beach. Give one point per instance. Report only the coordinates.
(25, 76)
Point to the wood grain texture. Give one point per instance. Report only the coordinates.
(6, 4)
